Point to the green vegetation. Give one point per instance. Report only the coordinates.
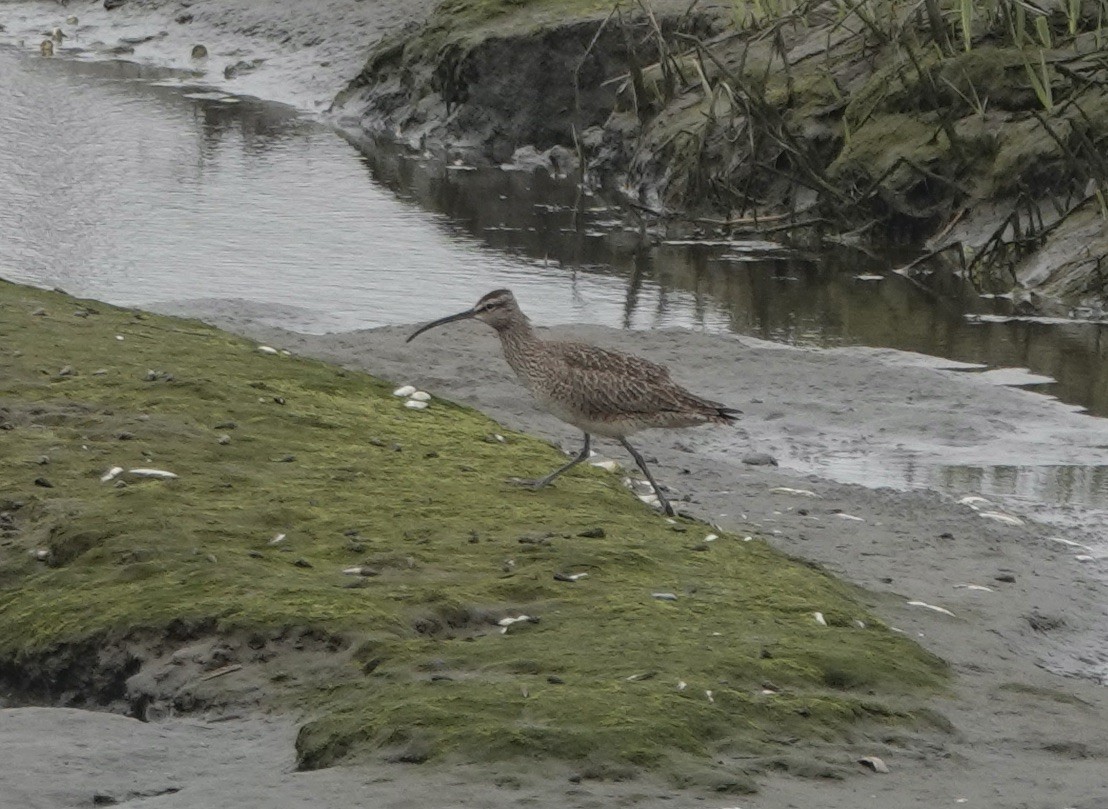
(852, 115)
(266, 444)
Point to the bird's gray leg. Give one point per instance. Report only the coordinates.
(581, 456)
(666, 507)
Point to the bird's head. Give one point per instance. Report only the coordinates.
(498, 309)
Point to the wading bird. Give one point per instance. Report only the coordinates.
(601, 392)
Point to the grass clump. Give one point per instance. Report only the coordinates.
(265, 444)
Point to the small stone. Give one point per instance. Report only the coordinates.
(1007, 578)
(40, 312)
(67, 371)
(44, 483)
(554, 679)
(286, 459)
(112, 4)
(198, 51)
(225, 439)
(664, 596)
(759, 459)
(592, 533)
(126, 436)
(302, 563)
(43, 460)
(279, 400)
(226, 425)
(100, 372)
(256, 555)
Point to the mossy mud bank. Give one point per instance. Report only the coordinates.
(974, 130)
(225, 585)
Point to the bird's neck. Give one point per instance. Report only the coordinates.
(520, 345)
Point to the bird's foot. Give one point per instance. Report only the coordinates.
(525, 483)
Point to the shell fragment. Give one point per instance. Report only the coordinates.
(1007, 519)
(158, 474)
(420, 396)
(798, 492)
(415, 404)
(405, 390)
(111, 474)
(927, 606)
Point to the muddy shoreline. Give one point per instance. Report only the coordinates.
(1021, 733)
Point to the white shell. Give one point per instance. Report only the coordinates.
(607, 466)
(800, 492)
(711, 537)
(1008, 519)
(708, 694)
(682, 685)
(161, 474)
(267, 349)
(819, 618)
(111, 474)
(973, 587)
(844, 516)
(420, 396)
(1071, 543)
(406, 390)
(414, 404)
(277, 540)
(925, 605)
(874, 763)
(119, 337)
(973, 501)
(353, 571)
(506, 622)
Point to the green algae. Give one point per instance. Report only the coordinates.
(265, 444)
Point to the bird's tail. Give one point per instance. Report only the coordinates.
(727, 415)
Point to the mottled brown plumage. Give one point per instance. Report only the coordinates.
(602, 392)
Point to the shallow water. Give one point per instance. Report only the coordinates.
(131, 185)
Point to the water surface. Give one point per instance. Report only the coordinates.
(135, 187)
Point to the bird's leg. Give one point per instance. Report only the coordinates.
(666, 507)
(581, 456)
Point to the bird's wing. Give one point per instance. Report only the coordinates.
(607, 383)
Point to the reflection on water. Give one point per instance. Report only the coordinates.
(128, 185)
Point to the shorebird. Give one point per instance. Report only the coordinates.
(601, 392)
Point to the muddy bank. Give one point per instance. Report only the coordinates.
(1026, 634)
(1016, 727)
(975, 137)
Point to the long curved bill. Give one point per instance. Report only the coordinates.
(468, 313)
